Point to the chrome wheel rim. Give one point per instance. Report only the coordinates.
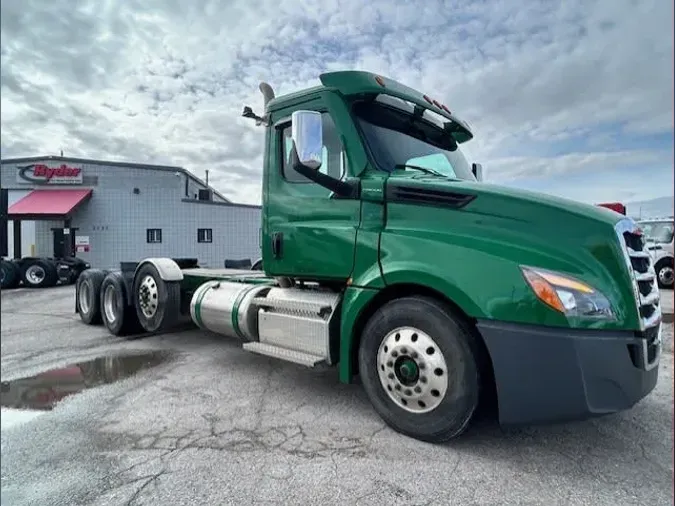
(109, 303)
(35, 274)
(85, 294)
(412, 370)
(666, 276)
(148, 297)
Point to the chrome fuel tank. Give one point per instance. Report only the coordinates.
(224, 307)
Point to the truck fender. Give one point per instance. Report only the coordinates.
(168, 269)
(358, 299)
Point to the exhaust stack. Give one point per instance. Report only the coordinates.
(268, 94)
(267, 91)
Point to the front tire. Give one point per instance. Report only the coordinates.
(664, 273)
(419, 367)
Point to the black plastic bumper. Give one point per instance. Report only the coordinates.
(545, 374)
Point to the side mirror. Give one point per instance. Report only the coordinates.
(307, 153)
(307, 135)
(477, 170)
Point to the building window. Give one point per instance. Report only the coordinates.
(204, 235)
(153, 235)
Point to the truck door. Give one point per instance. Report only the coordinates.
(308, 232)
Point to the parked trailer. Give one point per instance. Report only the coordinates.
(385, 255)
(40, 272)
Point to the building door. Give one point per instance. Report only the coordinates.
(59, 242)
(64, 243)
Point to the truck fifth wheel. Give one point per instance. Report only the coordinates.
(385, 255)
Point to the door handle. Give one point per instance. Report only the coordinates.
(277, 241)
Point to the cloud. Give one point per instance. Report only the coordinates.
(572, 98)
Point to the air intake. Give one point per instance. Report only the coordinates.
(428, 196)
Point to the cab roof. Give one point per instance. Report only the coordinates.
(355, 82)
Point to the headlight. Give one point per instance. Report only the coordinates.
(567, 295)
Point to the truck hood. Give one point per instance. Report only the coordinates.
(506, 202)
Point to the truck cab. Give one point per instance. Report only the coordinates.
(366, 190)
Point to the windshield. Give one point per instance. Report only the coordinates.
(658, 231)
(399, 139)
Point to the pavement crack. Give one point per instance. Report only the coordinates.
(150, 479)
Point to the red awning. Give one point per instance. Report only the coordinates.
(45, 204)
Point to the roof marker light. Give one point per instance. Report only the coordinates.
(379, 81)
(444, 107)
(427, 99)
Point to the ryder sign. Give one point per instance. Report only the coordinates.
(40, 173)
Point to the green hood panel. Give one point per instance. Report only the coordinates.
(504, 201)
(473, 253)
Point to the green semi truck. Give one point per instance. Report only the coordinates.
(385, 255)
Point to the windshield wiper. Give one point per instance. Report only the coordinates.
(417, 167)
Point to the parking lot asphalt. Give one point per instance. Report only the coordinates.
(212, 424)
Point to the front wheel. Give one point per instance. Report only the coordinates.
(419, 367)
(664, 273)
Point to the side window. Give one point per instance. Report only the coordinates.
(334, 160)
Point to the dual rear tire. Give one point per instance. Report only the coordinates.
(102, 298)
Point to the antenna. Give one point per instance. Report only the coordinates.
(207, 178)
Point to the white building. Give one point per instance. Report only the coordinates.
(112, 212)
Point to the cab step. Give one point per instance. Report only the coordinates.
(296, 357)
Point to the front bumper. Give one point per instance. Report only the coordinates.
(545, 374)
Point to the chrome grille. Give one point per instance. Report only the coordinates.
(645, 289)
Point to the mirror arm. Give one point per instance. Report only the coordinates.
(335, 185)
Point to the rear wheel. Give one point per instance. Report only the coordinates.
(419, 366)
(39, 273)
(10, 274)
(157, 302)
(118, 317)
(88, 296)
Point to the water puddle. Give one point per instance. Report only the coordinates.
(44, 390)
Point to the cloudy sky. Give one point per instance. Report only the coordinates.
(569, 97)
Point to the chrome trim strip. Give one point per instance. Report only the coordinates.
(652, 298)
(648, 366)
(645, 276)
(637, 254)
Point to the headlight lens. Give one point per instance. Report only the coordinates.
(567, 295)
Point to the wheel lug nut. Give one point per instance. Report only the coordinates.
(398, 387)
(418, 390)
(404, 351)
(414, 354)
(390, 376)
